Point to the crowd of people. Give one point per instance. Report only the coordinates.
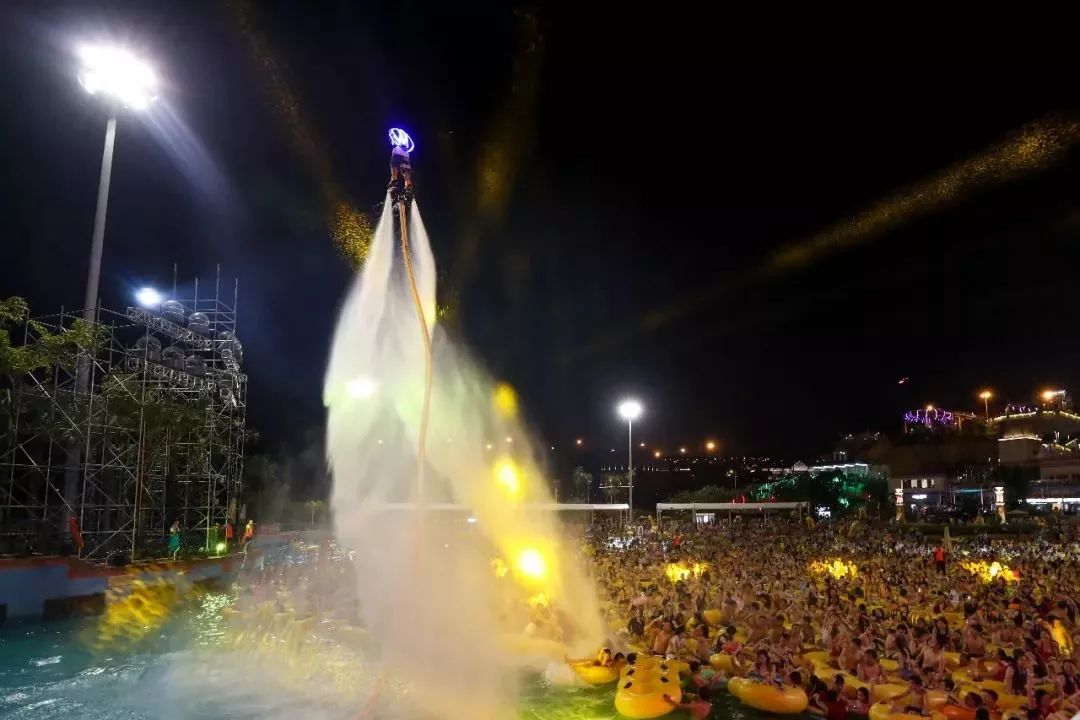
(898, 610)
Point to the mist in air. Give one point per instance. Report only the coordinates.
(445, 595)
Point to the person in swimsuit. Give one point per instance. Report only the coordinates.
(1017, 678)
(868, 669)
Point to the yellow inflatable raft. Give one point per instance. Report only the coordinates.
(594, 674)
(816, 657)
(722, 661)
(769, 698)
(642, 687)
(889, 665)
(887, 691)
(1005, 700)
(883, 711)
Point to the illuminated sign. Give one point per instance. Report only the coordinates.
(930, 418)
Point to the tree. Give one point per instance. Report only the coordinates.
(264, 492)
(704, 494)
(48, 347)
(314, 506)
(581, 482)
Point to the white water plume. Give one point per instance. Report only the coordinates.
(444, 594)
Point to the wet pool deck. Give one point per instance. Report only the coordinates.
(54, 587)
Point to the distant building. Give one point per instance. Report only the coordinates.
(1047, 440)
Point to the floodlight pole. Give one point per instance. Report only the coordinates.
(630, 463)
(74, 450)
(97, 243)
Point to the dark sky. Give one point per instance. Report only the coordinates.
(606, 194)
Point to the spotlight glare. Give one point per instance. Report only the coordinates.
(148, 297)
(630, 409)
(116, 72)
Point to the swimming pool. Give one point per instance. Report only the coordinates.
(187, 668)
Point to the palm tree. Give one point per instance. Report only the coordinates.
(314, 506)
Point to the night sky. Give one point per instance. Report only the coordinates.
(639, 204)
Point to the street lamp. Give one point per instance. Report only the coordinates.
(710, 446)
(986, 395)
(124, 79)
(630, 410)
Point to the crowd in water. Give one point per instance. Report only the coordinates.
(908, 619)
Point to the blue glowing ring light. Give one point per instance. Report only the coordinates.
(400, 138)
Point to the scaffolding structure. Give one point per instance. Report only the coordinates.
(154, 435)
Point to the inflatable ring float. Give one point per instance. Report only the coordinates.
(887, 691)
(594, 674)
(957, 712)
(883, 711)
(1005, 700)
(642, 687)
(769, 698)
(722, 661)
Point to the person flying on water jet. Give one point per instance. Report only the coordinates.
(400, 167)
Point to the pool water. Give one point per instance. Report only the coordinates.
(187, 667)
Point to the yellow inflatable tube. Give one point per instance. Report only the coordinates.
(642, 688)
(1005, 700)
(815, 657)
(722, 661)
(735, 686)
(712, 616)
(769, 698)
(883, 711)
(887, 691)
(594, 674)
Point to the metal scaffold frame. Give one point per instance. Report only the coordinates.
(160, 432)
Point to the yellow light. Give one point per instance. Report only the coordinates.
(488, 446)
(683, 571)
(682, 450)
(929, 408)
(988, 572)
(656, 453)
(509, 439)
(1049, 395)
(837, 568)
(710, 446)
(530, 564)
(505, 400)
(986, 395)
(579, 441)
(508, 476)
